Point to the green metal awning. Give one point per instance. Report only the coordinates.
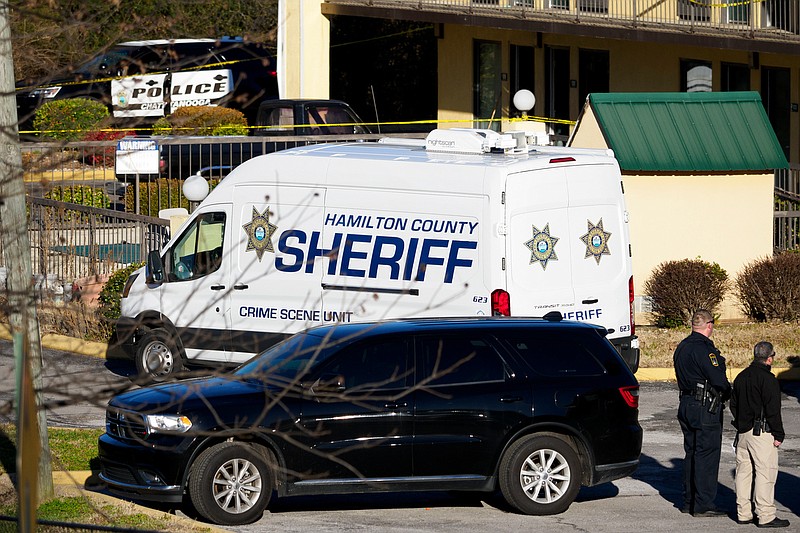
(688, 132)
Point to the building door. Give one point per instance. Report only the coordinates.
(487, 92)
(522, 72)
(775, 87)
(593, 75)
(556, 92)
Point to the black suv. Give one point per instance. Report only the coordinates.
(141, 81)
(534, 407)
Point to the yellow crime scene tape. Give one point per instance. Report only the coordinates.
(338, 124)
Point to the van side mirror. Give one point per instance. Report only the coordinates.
(155, 268)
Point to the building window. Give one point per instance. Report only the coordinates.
(738, 13)
(487, 94)
(779, 14)
(695, 10)
(559, 4)
(593, 73)
(557, 87)
(735, 77)
(593, 6)
(522, 72)
(695, 76)
(775, 95)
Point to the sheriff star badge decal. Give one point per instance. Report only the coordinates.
(259, 233)
(542, 246)
(596, 241)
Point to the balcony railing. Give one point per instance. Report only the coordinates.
(775, 20)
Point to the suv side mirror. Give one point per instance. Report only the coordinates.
(155, 268)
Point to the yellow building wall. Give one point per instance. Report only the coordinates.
(303, 49)
(725, 219)
(633, 67)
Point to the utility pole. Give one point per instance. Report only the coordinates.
(34, 476)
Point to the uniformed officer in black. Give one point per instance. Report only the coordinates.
(704, 386)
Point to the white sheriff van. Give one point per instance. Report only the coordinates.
(467, 222)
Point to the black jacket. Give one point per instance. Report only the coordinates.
(756, 387)
(697, 360)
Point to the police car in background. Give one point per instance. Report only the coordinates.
(141, 81)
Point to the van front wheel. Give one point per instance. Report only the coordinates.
(157, 357)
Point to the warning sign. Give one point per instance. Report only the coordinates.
(137, 156)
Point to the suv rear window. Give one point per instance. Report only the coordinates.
(452, 360)
(558, 353)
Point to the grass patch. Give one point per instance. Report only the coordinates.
(735, 341)
(70, 449)
(85, 510)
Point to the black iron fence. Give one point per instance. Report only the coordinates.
(78, 169)
(786, 233)
(70, 242)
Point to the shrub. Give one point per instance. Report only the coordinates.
(103, 156)
(79, 194)
(769, 288)
(678, 288)
(202, 120)
(69, 119)
(155, 195)
(110, 296)
(159, 194)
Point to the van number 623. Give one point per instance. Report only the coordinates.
(480, 299)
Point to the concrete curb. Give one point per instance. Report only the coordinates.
(54, 341)
(668, 374)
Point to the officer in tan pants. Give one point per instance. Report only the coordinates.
(756, 408)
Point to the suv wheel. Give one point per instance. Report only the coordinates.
(230, 484)
(540, 475)
(157, 358)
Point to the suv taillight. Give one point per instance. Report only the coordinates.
(501, 303)
(631, 395)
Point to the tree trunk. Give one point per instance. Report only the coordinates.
(33, 450)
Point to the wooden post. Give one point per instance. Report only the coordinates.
(32, 443)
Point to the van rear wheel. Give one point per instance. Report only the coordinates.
(157, 357)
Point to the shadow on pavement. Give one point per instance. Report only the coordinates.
(411, 500)
(668, 481)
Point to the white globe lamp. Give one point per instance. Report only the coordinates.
(195, 188)
(524, 100)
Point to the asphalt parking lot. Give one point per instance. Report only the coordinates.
(646, 501)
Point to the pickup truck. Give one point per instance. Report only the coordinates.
(301, 122)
